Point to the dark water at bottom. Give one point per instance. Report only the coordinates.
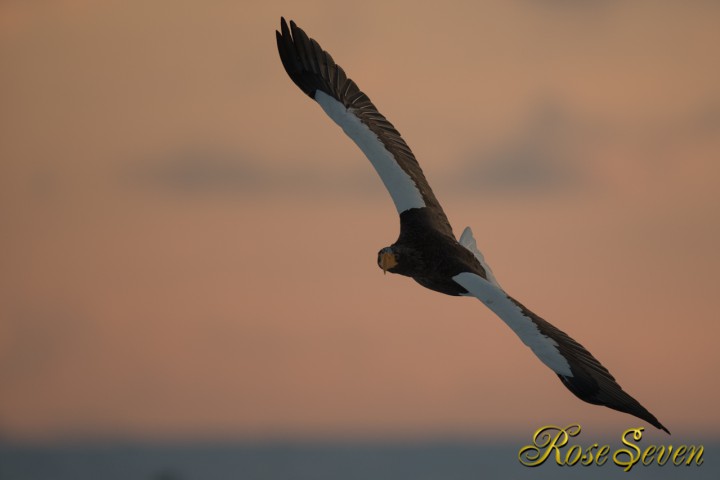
(306, 461)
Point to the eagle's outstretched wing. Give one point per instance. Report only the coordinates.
(578, 370)
(314, 71)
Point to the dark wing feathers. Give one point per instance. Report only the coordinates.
(591, 381)
(311, 69)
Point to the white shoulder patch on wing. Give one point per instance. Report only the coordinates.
(468, 241)
(497, 300)
(402, 188)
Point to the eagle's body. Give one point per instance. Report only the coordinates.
(426, 249)
(430, 256)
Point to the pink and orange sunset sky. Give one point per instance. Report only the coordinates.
(189, 244)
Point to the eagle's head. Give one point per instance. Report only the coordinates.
(399, 259)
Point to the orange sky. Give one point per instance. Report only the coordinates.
(189, 244)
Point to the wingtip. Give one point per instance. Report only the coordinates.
(652, 420)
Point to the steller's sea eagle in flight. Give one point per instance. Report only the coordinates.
(426, 249)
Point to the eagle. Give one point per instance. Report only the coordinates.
(426, 249)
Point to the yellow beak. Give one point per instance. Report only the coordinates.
(387, 261)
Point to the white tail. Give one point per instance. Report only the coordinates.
(468, 241)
